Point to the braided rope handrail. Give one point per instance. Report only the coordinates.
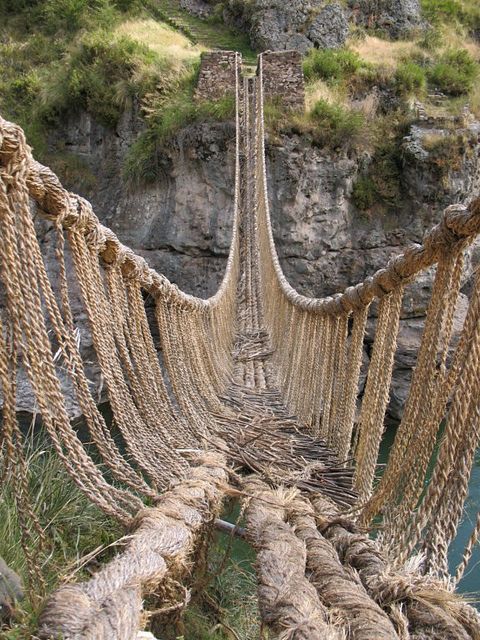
(459, 226)
(194, 398)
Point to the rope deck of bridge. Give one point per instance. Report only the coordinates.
(255, 393)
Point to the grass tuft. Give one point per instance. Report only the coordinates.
(335, 125)
(455, 72)
(72, 524)
(410, 78)
(332, 65)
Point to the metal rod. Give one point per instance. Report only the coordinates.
(229, 528)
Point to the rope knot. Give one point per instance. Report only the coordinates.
(160, 285)
(448, 240)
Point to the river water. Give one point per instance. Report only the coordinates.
(470, 584)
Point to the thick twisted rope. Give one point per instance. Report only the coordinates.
(109, 606)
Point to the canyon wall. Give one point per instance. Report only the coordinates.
(182, 223)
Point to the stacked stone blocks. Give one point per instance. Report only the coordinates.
(217, 74)
(283, 78)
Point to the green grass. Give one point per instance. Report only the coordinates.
(72, 524)
(102, 74)
(227, 609)
(212, 34)
(335, 125)
(455, 72)
(461, 12)
(333, 65)
(63, 17)
(82, 58)
(167, 115)
(58, 55)
(229, 605)
(75, 527)
(410, 78)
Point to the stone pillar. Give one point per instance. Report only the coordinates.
(283, 78)
(217, 74)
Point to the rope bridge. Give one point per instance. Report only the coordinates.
(252, 392)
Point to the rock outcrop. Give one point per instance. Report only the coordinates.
(329, 28)
(276, 25)
(298, 24)
(11, 592)
(198, 8)
(395, 17)
(303, 24)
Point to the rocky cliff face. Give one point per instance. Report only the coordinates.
(299, 24)
(182, 223)
(303, 24)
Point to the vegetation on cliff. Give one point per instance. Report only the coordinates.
(63, 57)
(103, 56)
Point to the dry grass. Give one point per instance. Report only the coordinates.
(321, 90)
(433, 140)
(451, 37)
(387, 54)
(383, 53)
(475, 100)
(161, 38)
(337, 95)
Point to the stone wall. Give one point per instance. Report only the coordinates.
(283, 78)
(217, 74)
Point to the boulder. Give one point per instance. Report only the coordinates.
(198, 8)
(302, 24)
(329, 30)
(299, 24)
(396, 17)
(11, 591)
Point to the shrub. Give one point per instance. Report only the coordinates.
(410, 78)
(455, 72)
(181, 109)
(67, 15)
(364, 193)
(55, 17)
(165, 119)
(335, 125)
(100, 75)
(331, 65)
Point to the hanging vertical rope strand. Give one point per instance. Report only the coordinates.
(354, 364)
(376, 396)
